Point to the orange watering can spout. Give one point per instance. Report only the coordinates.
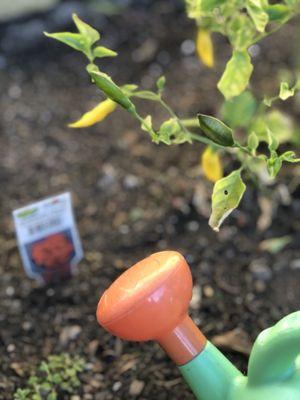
(150, 301)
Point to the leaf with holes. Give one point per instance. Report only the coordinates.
(226, 196)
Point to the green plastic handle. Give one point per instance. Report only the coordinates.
(274, 368)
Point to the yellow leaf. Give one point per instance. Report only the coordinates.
(211, 164)
(97, 114)
(205, 48)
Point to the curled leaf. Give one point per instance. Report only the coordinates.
(169, 130)
(211, 164)
(205, 48)
(289, 156)
(97, 114)
(285, 92)
(226, 196)
(216, 130)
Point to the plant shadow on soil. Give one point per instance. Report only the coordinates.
(131, 198)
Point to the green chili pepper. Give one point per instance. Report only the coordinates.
(112, 91)
(216, 130)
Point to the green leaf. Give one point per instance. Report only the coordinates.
(273, 141)
(259, 17)
(216, 130)
(73, 40)
(278, 13)
(226, 196)
(146, 125)
(161, 83)
(275, 245)
(101, 51)
(285, 92)
(241, 31)
(268, 101)
(289, 156)
(274, 165)
(279, 123)
(169, 130)
(89, 34)
(129, 89)
(146, 95)
(193, 8)
(236, 75)
(239, 111)
(253, 142)
(52, 396)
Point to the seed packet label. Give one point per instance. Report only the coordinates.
(48, 239)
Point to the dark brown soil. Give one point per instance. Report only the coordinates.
(131, 198)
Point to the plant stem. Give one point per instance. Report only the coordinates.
(172, 114)
(190, 122)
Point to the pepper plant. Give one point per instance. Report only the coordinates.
(244, 23)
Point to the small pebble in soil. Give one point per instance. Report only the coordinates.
(69, 333)
(260, 269)
(136, 387)
(187, 47)
(131, 181)
(27, 325)
(11, 348)
(193, 226)
(254, 50)
(208, 291)
(116, 386)
(10, 291)
(124, 229)
(260, 286)
(295, 264)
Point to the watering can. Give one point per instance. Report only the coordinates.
(150, 300)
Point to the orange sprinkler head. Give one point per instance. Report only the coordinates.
(149, 302)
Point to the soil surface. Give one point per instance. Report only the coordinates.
(132, 198)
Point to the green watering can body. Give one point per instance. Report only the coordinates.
(274, 368)
(149, 302)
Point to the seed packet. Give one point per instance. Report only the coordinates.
(48, 239)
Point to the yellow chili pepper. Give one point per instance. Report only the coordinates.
(205, 48)
(211, 164)
(97, 114)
